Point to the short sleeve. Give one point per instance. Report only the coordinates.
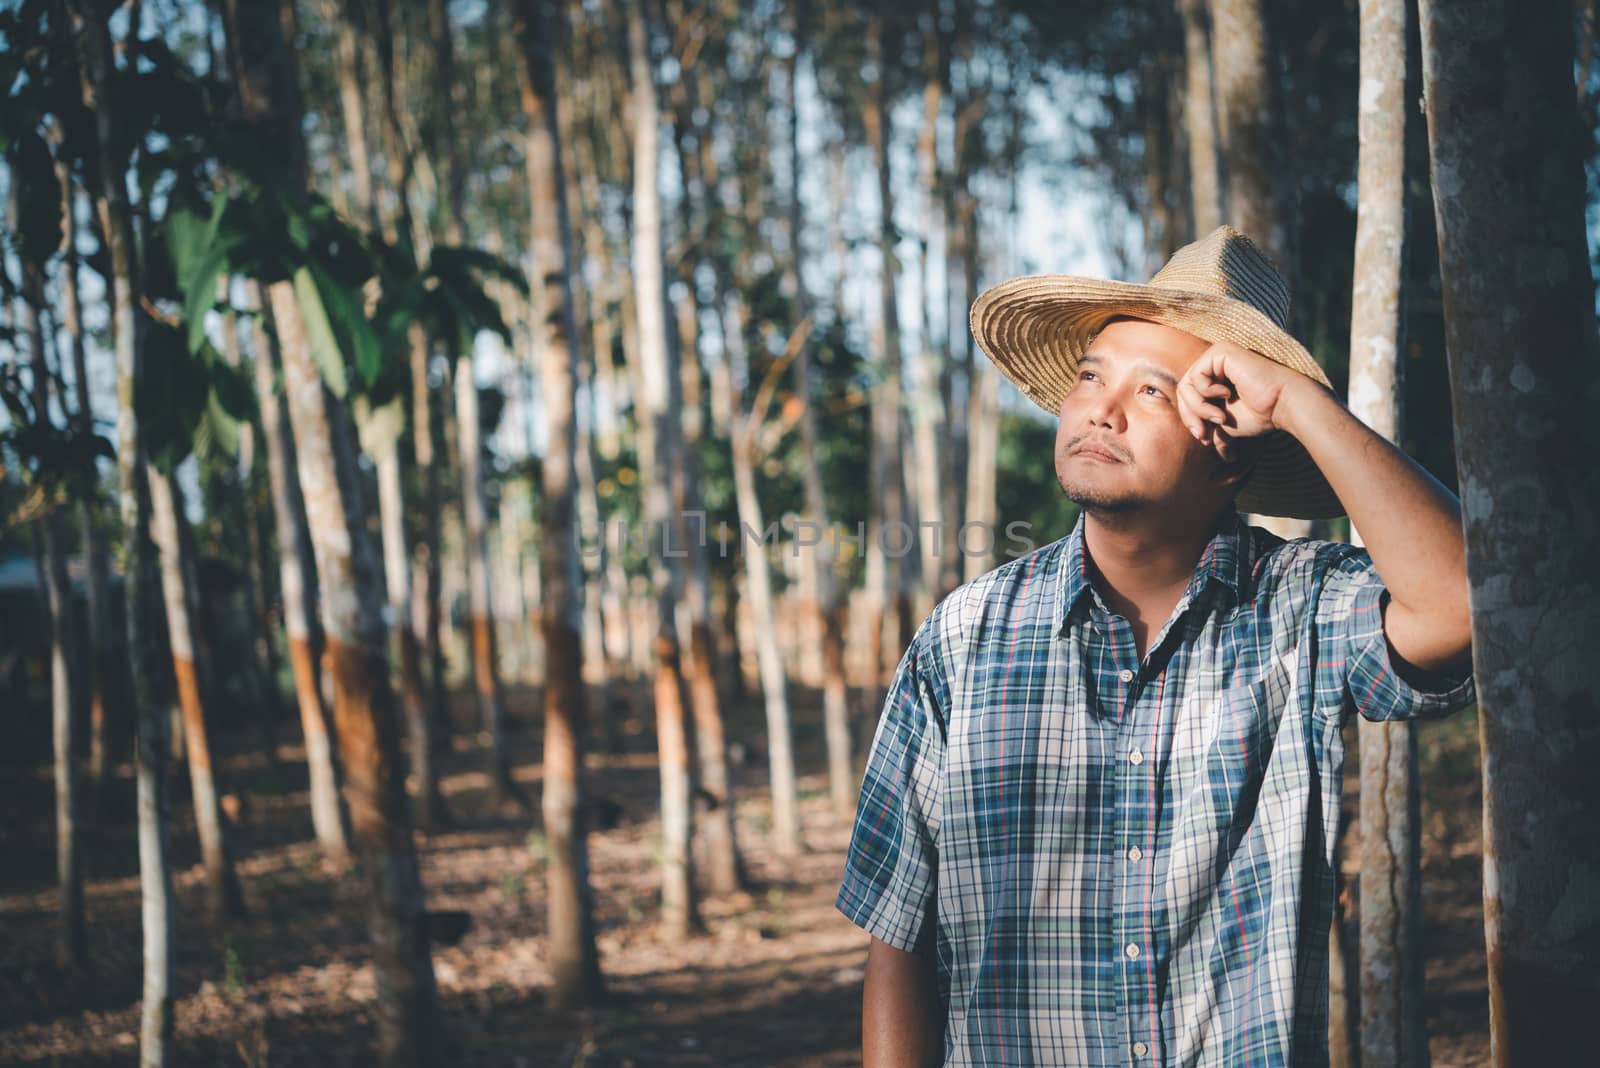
(1351, 642)
(891, 867)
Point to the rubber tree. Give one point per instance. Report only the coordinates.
(90, 21)
(351, 592)
(574, 960)
(1508, 150)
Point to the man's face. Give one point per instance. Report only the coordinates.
(1125, 403)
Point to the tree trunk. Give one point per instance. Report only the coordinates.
(717, 825)
(249, 545)
(934, 357)
(842, 787)
(423, 784)
(177, 568)
(658, 444)
(106, 701)
(1200, 118)
(1393, 1024)
(92, 34)
(406, 637)
(352, 598)
(364, 712)
(1255, 186)
(574, 960)
(724, 874)
(297, 584)
(887, 532)
(427, 610)
(64, 692)
(752, 547)
(1519, 311)
(480, 596)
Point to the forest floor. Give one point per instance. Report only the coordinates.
(774, 980)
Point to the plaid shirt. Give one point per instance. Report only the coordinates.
(1119, 862)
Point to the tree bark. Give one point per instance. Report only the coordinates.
(716, 827)
(1200, 118)
(92, 34)
(352, 596)
(177, 568)
(1255, 186)
(887, 530)
(480, 597)
(406, 637)
(658, 434)
(1508, 188)
(64, 691)
(825, 604)
(106, 700)
(248, 545)
(297, 584)
(752, 547)
(1393, 1024)
(574, 960)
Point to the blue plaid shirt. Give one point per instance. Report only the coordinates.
(1125, 862)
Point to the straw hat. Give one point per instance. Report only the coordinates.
(1220, 288)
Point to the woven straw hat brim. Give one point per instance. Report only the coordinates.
(1035, 328)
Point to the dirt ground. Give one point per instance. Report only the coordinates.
(775, 980)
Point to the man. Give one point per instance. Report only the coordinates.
(1097, 820)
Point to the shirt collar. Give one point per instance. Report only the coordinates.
(1225, 562)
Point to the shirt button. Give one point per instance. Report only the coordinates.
(1136, 757)
(1132, 951)
(1140, 1049)
(1135, 853)
(1126, 676)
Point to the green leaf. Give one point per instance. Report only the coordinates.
(319, 333)
(217, 432)
(170, 396)
(355, 334)
(229, 387)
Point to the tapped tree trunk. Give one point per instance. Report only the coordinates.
(427, 806)
(351, 594)
(177, 569)
(297, 583)
(718, 827)
(1508, 190)
(407, 638)
(480, 598)
(574, 960)
(92, 33)
(1393, 1024)
(658, 445)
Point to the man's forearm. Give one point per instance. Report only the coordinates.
(1409, 522)
(902, 1018)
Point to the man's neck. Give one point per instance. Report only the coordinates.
(1138, 561)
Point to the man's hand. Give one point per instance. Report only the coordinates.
(1231, 392)
(902, 1018)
